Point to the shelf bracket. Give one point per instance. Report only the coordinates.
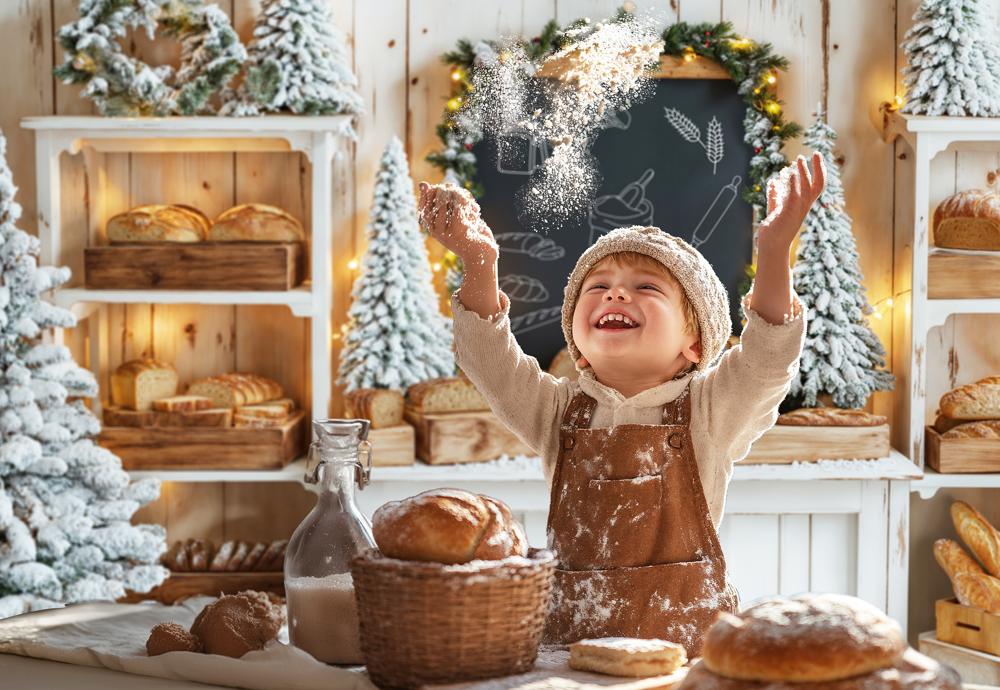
(926, 492)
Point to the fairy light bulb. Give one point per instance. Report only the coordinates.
(771, 78)
(456, 74)
(689, 56)
(436, 266)
(773, 107)
(353, 264)
(454, 103)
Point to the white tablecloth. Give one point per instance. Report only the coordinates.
(114, 636)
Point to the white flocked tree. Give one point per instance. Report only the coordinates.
(952, 60)
(297, 62)
(65, 502)
(841, 357)
(397, 334)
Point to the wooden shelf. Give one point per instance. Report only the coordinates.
(957, 274)
(962, 133)
(929, 484)
(938, 310)
(82, 301)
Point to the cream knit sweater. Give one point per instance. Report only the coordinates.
(732, 403)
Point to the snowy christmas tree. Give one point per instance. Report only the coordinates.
(841, 356)
(397, 335)
(952, 60)
(297, 62)
(65, 502)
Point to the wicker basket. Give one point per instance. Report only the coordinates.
(430, 623)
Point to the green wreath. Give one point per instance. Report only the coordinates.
(211, 54)
(751, 65)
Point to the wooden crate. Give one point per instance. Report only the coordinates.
(955, 275)
(783, 445)
(393, 446)
(182, 585)
(974, 666)
(957, 455)
(967, 626)
(200, 266)
(208, 448)
(448, 438)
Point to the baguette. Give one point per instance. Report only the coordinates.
(182, 403)
(445, 394)
(383, 407)
(969, 219)
(944, 424)
(158, 223)
(989, 428)
(137, 383)
(973, 401)
(979, 590)
(256, 223)
(978, 534)
(830, 416)
(954, 560)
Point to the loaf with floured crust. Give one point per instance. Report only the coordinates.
(383, 407)
(158, 223)
(256, 223)
(805, 638)
(969, 219)
(444, 394)
(627, 656)
(988, 428)
(973, 401)
(978, 534)
(447, 526)
(954, 560)
(830, 416)
(978, 589)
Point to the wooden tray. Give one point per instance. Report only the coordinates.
(957, 455)
(182, 585)
(196, 266)
(783, 445)
(449, 438)
(974, 666)
(393, 446)
(208, 448)
(954, 275)
(967, 626)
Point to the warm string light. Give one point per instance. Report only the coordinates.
(740, 43)
(880, 308)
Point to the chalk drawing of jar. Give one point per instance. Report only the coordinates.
(628, 207)
(519, 152)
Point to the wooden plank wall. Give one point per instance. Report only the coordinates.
(839, 57)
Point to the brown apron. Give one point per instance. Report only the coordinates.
(638, 553)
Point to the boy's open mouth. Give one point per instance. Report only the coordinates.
(616, 321)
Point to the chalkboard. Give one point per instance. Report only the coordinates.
(676, 160)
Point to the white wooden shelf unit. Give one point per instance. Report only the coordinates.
(319, 138)
(915, 313)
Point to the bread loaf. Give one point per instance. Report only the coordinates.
(239, 553)
(954, 560)
(446, 394)
(830, 416)
(973, 401)
(989, 428)
(158, 223)
(234, 390)
(447, 526)
(978, 534)
(222, 556)
(117, 416)
(968, 220)
(256, 223)
(212, 417)
(273, 558)
(562, 365)
(383, 407)
(944, 424)
(805, 638)
(273, 409)
(136, 384)
(979, 590)
(247, 422)
(182, 403)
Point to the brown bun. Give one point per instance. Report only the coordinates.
(913, 672)
(235, 624)
(806, 638)
(171, 637)
(447, 526)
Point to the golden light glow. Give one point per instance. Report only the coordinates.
(689, 56)
(771, 78)
(436, 266)
(454, 103)
(456, 75)
(773, 107)
(353, 264)
(898, 102)
(740, 43)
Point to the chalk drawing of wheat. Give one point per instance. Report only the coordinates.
(691, 133)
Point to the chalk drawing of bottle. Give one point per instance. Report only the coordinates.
(720, 205)
(519, 152)
(628, 207)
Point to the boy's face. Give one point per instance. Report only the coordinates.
(656, 346)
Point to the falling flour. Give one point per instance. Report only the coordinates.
(561, 111)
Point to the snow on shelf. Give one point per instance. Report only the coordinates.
(894, 466)
(299, 300)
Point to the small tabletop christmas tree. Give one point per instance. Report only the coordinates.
(841, 356)
(297, 62)
(952, 60)
(398, 335)
(65, 502)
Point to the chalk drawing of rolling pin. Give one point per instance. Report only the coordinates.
(628, 207)
(720, 205)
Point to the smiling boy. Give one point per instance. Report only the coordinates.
(639, 450)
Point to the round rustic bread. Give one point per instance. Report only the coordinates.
(809, 637)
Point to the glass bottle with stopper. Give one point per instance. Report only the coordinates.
(322, 613)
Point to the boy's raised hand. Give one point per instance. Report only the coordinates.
(790, 195)
(451, 216)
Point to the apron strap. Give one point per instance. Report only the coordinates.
(577, 416)
(678, 410)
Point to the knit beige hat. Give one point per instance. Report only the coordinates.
(696, 276)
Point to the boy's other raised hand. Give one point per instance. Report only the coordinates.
(451, 216)
(790, 195)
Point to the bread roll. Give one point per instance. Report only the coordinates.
(256, 223)
(562, 365)
(250, 562)
(973, 401)
(445, 394)
(968, 220)
(158, 223)
(979, 590)
(830, 416)
(627, 656)
(383, 407)
(234, 390)
(806, 638)
(182, 403)
(222, 556)
(447, 526)
(273, 559)
(239, 553)
(978, 534)
(137, 383)
(989, 428)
